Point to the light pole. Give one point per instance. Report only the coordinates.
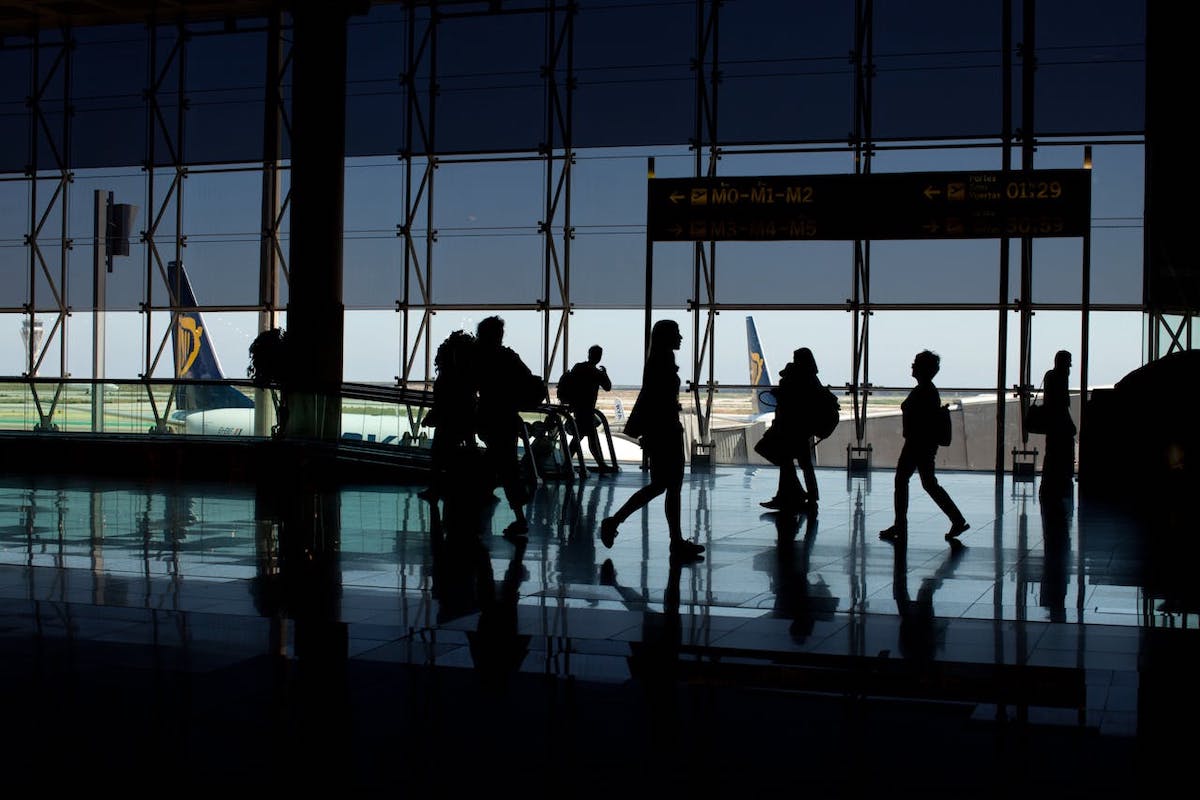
(113, 223)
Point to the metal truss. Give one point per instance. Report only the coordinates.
(1006, 139)
(419, 155)
(559, 76)
(165, 75)
(276, 124)
(166, 172)
(272, 261)
(44, 77)
(1169, 333)
(706, 150)
(862, 142)
(417, 259)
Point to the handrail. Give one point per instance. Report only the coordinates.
(612, 449)
(559, 412)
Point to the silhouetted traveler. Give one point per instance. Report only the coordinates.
(655, 421)
(920, 411)
(271, 368)
(796, 400)
(1058, 470)
(453, 414)
(586, 379)
(500, 375)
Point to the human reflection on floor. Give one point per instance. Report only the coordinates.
(1056, 544)
(464, 583)
(922, 634)
(797, 598)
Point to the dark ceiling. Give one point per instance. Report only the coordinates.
(23, 17)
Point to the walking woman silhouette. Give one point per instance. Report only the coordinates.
(655, 420)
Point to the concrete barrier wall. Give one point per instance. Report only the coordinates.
(973, 446)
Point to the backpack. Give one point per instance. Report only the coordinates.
(530, 392)
(566, 387)
(944, 430)
(516, 386)
(825, 413)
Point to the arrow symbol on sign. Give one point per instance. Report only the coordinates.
(677, 196)
(932, 227)
(931, 192)
(676, 229)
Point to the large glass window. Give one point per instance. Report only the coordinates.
(517, 233)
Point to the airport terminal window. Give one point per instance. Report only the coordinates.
(966, 341)
(628, 104)
(371, 350)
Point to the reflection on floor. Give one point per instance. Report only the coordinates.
(217, 622)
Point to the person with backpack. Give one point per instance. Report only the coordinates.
(578, 391)
(922, 425)
(801, 402)
(503, 379)
(452, 415)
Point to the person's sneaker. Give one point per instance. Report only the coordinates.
(608, 531)
(893, 533)
(785, 502)
(684, 550)
(956, 529)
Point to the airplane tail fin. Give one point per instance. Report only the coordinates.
(760, 375)
(195, 358)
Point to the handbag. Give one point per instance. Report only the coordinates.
(773, 445)
(635, 423)
(1035, 418)
(945, 428)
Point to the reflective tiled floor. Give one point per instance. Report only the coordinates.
(1062, 618)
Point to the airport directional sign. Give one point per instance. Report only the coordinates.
(901, 205)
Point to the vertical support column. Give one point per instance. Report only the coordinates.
(268, 258)
(858, 456)
(1028, 146)
(57, 147)
(1085, 315)
(100, 261)
(417, 260)
(556, 272)
(704, 265)
(65, 178)
(649, 309)
(1006, 98)
(315, 310)
(171, 138)
(1170, 285)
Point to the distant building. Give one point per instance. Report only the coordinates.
(31, 333)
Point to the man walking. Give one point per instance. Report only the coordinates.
(585, 380)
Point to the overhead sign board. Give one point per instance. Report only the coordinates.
(901, 205)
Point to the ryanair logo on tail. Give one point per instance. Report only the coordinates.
(756, 368)
(189, 337)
